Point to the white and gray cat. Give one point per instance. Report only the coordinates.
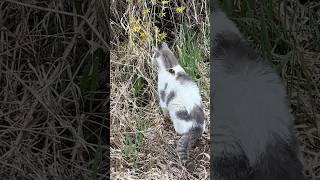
(180, 100)
(252, 135)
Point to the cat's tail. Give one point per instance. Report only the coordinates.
(186, 142)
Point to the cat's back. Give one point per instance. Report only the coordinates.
(241, 75)
(253, 125)
(249, 96)
(187, 92)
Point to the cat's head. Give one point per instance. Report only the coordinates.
(163, 58)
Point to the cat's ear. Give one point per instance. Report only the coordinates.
(156, 53)
(163, 46)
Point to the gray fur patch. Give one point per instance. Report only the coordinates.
(280, 161)
(234, 54)
(183, 77)
(163, 92)
(165, 86)
(162, 95)
(229, 160)
(221, 23)
(231, 167)
(163, 46)
(170, 97)
(157, 54)
(169, 60)
(215, 6)
(229, 42)
(183, 114)
(196, 114)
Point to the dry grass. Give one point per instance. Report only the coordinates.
(52, 98)
(142, 141)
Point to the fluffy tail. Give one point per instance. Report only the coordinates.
(186, 142)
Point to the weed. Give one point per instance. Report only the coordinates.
(190, 53)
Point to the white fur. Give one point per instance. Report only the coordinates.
(187, 95)
(250, 111)
(253, 107)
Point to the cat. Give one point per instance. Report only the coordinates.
(180, 100)
(253, 137)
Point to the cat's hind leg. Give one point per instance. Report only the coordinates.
(279, 161)
(229, 160)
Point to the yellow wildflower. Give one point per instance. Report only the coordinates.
(164, 8)
(143, 35)
(153, 2)
(162, 14)
(145, 11)
(180, 9)
(147, 23)
(136, 28)
(143, 39)
(134, 20)
(164, 2)
(162, 36)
